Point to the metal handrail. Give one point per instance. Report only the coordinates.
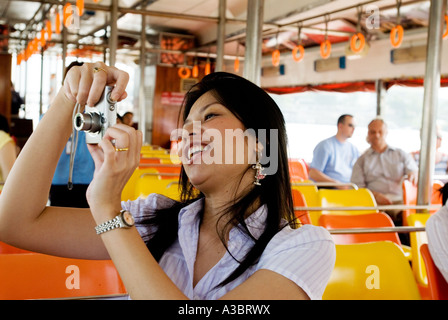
(164, 174)
(372, 208)
(161, 165)
(326, 184)
(377, 230)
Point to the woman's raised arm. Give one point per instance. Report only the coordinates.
(25, 221)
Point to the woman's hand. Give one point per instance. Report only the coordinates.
(85, 84)
(112, 169)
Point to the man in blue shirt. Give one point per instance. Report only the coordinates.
(83, 168)
(333, 158)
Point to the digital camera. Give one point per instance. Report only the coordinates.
(95, 120)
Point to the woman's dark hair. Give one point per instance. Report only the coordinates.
(444, 193)
(257, 111)
(4, 125)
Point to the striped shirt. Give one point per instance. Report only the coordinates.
(437, 232)
(305, 255)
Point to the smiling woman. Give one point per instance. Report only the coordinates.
(232, 235)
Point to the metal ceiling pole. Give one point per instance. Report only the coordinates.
(430, 100)
(252, 60)
(141, 95)
(221, 36)
(113, 40)
(41, 81)
(64, 49)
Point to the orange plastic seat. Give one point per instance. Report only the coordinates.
(410, 197)
(165, 171)
(437, 285)
(298, 169)
(299, 201)
(150, 160)
(373, 220)
(39, 276)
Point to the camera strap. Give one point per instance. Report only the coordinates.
(74, 145)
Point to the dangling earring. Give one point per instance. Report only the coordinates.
(259, 175)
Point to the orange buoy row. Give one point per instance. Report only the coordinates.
(396, 36)
(325, 49)
(357, 42)
(298, 49)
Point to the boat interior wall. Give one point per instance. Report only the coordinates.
(363, 69)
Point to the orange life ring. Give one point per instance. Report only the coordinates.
(195, 71)
(276, 58)
(236, 65)
(396, 36)
(354, 41)
(184, 73)
(299, 48)
(325, 49)
(208, 67)
(445, 35)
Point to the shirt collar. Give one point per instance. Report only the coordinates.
(371, 151)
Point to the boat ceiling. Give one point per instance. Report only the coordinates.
(335, 19)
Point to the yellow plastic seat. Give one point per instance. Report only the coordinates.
(417, 239)
(310, 194)
(148, 184)
(361, 197)
(128, 192)
(371, 271)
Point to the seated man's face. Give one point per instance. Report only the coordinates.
(376, 134)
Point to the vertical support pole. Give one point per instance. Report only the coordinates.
(64, 49)
(430, 101)
(221, 36)
(141, 98)
(113, 40)
(380, 95)
(41, 80)
(252, 58)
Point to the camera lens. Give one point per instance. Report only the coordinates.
(89, 121)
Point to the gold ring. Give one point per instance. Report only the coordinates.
(121, 149)
(98, 69)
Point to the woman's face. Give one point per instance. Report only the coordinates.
(216, 149)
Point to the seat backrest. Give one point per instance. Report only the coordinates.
(129, 192)
(437, 285)
(410, 197)
(298, 169)
(361, 197)
(371, 271)
(416, 240)
(148, 184)
(436, 197)
(299, 201)
(39, 276)
(372, 220)
(310, 193)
